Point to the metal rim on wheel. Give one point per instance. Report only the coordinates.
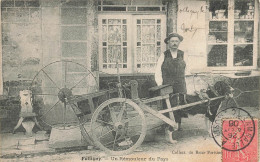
(59, 90)
(116, 118)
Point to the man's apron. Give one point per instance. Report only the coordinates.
(173, 73)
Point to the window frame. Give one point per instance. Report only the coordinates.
(230, 43)
(162, 44)
(131, 41)
(100, 46)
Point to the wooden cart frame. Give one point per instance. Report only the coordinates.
(113, 122)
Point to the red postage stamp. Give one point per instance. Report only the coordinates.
(236, 132)
(239, 140)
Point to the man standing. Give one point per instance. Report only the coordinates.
(170, 70)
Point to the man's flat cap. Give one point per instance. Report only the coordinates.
(173, 35)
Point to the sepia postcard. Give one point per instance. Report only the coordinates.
(129, 80)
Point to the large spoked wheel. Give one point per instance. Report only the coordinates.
(54, 86)
(118, 126)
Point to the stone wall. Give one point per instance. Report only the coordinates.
(36, 33)
(21, 38)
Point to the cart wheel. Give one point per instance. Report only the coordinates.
(118, 126)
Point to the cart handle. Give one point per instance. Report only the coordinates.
(190, 104)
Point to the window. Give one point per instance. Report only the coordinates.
(148, 46)
(115, 43)
(232, 36)
(134, 42)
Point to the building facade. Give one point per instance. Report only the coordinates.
(219, 35)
